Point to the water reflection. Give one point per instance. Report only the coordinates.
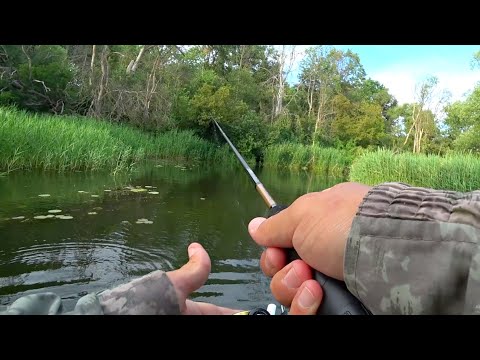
(91, 252)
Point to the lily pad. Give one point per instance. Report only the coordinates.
(40, 217)
(54, 211)
(92, 213)
(44, 195)
(143, 221)
(49, 216)
(107, 190)
(94, 195)
(153, 192)
(202, 198)
(18, 217)
(64, 217)
(138, 190)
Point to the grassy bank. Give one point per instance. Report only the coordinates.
(33, 141)
(334, 162)
(459, 172)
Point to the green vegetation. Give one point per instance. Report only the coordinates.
(451, 172)
(35, 141)
(65, 143)
(89, 107)
(331, 161)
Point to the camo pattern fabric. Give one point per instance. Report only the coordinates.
(152, 294)
(415, 251)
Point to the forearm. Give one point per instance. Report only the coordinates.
(152, 294)
(415, 251)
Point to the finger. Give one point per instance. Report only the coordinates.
(201, 308)
(272, 261)
(276, 231)
(286, 282)
(193, 274)
(307, 300)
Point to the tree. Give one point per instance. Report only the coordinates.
(36, 77)
(326, 72)
(284, 66)
(463, 121)
(422, 117)
(358, 122)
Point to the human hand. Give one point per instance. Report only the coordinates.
(193, 275)
(317, 226)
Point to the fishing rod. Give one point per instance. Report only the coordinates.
(337, 299)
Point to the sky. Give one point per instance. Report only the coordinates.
(400, 67)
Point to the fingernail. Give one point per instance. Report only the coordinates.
(192, 249)
(254, 224)
(306, 298)
(268, 260)
(291, 280)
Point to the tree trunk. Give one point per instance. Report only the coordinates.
(133, 66)
(281, 86)
(310, 96)
(97, 101)
(94, 47)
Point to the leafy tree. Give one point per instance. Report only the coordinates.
(463, 121)
(36, 77)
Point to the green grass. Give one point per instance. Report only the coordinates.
(334, 162)
(34, 141)
(458, 172)
(74, 143)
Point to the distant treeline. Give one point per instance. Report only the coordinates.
(159, 88)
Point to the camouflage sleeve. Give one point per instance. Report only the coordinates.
(415, 250)
(152, 294)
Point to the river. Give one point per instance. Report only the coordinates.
(99, 242)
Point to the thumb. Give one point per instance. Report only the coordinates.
(193, 274)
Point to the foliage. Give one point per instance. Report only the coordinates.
(457, 171)
(175, 89)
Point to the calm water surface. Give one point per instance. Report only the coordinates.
(91, 252)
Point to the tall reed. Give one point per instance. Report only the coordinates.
(331, 161)
(455, 171)
(66, 143)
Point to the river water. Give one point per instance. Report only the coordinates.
(98, 244)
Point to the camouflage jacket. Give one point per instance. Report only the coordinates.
(152, 294)
(414, 250)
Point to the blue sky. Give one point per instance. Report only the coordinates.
(400, 67)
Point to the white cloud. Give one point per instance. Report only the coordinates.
(401, 78)
(401, 82)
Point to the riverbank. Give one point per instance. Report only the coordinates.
(459, 172)
(68, 143)
(74, 143)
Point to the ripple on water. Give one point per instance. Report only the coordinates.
(92, 265)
